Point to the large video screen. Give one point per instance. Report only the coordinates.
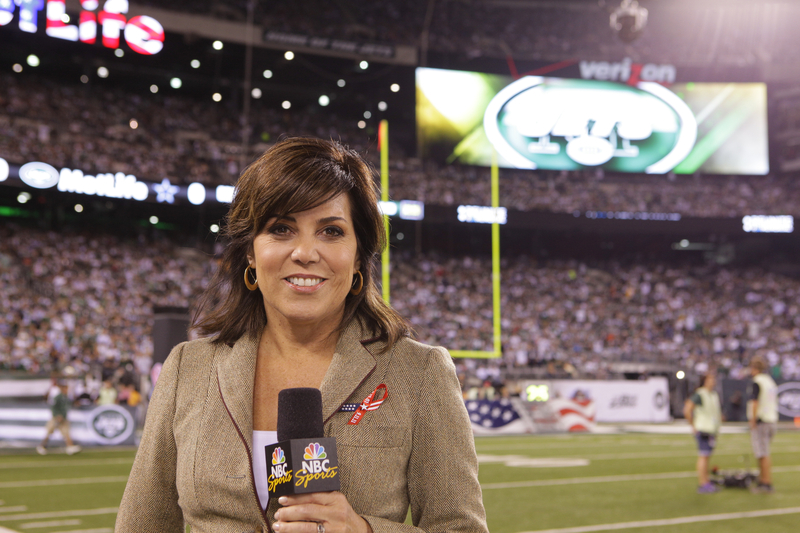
(571, 124)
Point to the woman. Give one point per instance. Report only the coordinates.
(305, 233)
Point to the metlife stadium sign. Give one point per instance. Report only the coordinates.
(143, 34)
(626, 118)
(39, 175)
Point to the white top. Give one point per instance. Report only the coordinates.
(261, 439)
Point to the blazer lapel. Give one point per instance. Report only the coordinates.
(235, 375)
(352, 364)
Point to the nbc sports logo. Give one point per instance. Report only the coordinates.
(315, 451)
(278, 456)
(315, 459)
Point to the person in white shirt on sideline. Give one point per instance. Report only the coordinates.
(762, 414)
(704, 414)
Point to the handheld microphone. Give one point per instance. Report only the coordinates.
(302, 460)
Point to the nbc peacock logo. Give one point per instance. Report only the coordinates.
(278, 456)
(279, 472)
(315, 451)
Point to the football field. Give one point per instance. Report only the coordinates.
(634, 482)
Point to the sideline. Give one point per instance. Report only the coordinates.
(671, 521)
(73, 481)
(67, 462)
(59, 514)
(609, 479)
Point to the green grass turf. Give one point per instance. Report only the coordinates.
(571, 500)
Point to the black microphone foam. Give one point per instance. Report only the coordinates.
(300, 414)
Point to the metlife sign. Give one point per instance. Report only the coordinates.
(143, 34)
(40, 175)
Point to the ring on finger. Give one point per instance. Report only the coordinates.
(320, 527)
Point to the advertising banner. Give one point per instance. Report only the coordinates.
(734, 399)
(561, 406)
(571, 124)
(103, 425)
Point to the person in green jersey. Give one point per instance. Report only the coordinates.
(704, 414)
(762, 414)
(59, 421)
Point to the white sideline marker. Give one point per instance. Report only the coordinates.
(608, 479)
(73, 481)
(59, 514)
(51, 523)
(671, 521)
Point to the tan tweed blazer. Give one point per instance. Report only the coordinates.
(194, 461)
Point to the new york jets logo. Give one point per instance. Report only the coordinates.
(553, 123)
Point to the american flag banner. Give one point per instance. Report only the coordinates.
(490, 417)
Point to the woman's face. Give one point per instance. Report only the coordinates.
(305, 264)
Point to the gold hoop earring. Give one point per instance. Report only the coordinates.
(247, 283)
(355, 291)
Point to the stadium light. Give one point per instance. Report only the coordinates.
(268, 74)
(680, 374)
(341, 83)
(382, 106)
(217, 45)
(24, 197)
(286, 104)
(134, 123)
(362, 124)
(289, 55)
(256, 93)
(154, 89)
(119, 52)
(216, 97)
(324, 100)
(78, 208)
(195, 63)
(196, 193)
(214, 228)
(175, 83)
(394, 87)
(84, 78)
(628, 20)
(17, 68)
(364, 65)
(102, 72)
(154, 220)
(367, 114)
(33, 60)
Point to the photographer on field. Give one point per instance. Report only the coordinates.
(704, 414)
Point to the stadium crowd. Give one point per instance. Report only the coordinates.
(81, 300)
(89, 128)
(753, 32)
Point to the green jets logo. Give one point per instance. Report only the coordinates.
(555, 123)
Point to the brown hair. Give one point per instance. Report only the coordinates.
(758, 363)
(294, 175)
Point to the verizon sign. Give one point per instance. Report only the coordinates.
(143, 34)
(627, 72)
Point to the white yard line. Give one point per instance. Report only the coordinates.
(671, 521)
(14, 509)
(59, 514)
(67, 462)
(6, 530)
(651, 455)
(98, 530)
(72, 481)
(608, 479)
(51, 523)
